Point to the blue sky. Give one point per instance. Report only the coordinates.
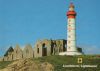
(26, 21)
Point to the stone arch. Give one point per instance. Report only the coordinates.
(43, 45)
(44, 52)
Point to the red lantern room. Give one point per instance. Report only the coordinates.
(71, 13)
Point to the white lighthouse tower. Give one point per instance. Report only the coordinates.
(71, 29)
(71, 33)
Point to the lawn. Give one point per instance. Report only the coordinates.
(58, 62)
(3, 64)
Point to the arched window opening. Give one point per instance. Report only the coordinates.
(37, 50)
(44, 49)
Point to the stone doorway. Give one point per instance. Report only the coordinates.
(44, 49)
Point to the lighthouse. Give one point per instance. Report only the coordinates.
(71, 29)
(71, 33)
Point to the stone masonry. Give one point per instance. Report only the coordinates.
(42, 48)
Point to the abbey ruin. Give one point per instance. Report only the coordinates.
(41, 48)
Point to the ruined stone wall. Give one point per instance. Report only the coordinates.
(49, 47)
(10, 56)
(44, 48)
(38, 49)
(28, 51)
(17, 54)
(58, 46)
(41, 48)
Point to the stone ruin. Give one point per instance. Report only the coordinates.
(41, 48)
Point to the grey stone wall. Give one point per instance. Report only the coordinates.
(42, 48)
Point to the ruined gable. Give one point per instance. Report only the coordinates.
(28, 51)
(8, 54)
(9, 50)
(17, 54)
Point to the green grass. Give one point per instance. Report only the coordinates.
(59, 61)
(3, 64)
